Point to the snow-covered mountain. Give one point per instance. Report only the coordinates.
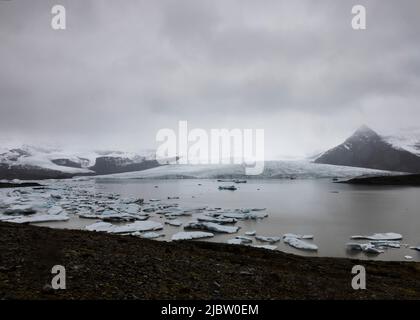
(407, 139)
(367, 149)
(29, 162)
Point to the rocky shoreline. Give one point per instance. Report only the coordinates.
(105, 266)
(394, 180)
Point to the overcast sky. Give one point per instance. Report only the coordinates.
(124, 69)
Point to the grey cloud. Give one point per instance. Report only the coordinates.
(122, 70)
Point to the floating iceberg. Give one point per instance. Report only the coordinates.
(235, 241)
(55, 210)
(100, 227)
(216, 220)
(266, 246)
(244, 215)
(251, 233)
(149, 235)
(232, 188)
(298, 236)
(210, 226)
(191, 235)
(297, 243)
(268, 239)
(244, 239)
(112, 216)
(365, 247)
(19, 209)
(379, 236)
(40, 218)
(415, 248)
(386, 243)
(132, 208)
(123, 218)
(174, 223)
(137, 226)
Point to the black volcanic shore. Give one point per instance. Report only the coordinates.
(398, 180)
(104, 266)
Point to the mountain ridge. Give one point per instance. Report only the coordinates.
(367, 149)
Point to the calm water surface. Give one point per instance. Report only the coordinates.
(331, 212)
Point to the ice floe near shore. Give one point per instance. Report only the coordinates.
(240, 240)
(149, 235)
(377, 244)
(191, 235)
(365, 247)
(379, 236)
(210, 226)
(295, 241)
(266, 246)
(268, 239)
(40, 218)
(19, 209)
(100, 227)
(138, 226)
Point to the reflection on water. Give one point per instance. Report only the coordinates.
(331, 212)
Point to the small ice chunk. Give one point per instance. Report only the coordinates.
(380, 236)
(408, 257)
(55, 195)
(133, 208)
(298, 236)
(232, 188)
(299, 244)
(265, 246)
(151, 235)
(235, 241)
(85, 215)
(216, 220)
(268, 239)
(55, 210)
(123, 218)
(244, 216)
(174, 223)
(210, 226)
(191, 235)
(100, 227)
(365, 247)
(20, 209)
(415, 248)
(41, 218)
(138, 226)
(251, 233)
(386, 243)
(244, 239)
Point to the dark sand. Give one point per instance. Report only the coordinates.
(103, 266)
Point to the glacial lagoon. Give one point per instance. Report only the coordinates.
(331, 212)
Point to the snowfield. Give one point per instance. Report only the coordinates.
(272, 169)
(43, 157)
